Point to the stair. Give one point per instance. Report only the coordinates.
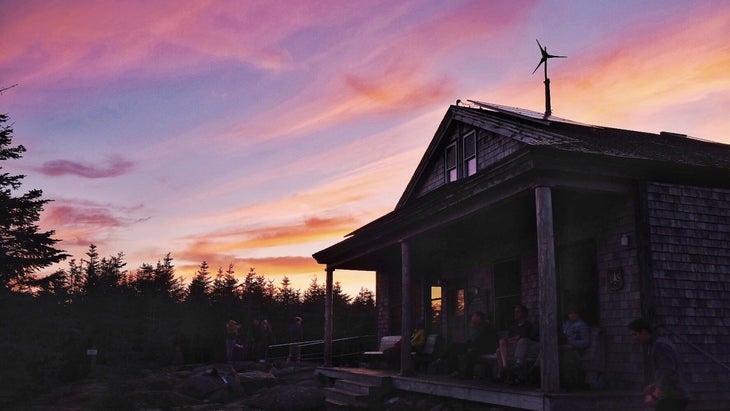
(357, 392)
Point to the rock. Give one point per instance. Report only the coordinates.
(217, 382)
(254, 380)
(288, 398)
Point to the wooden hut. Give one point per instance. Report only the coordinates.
(512, 206)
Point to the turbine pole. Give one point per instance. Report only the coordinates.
(543, 60)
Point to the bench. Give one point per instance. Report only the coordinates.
(423, 358)
(375, 358)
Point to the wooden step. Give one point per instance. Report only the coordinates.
(334, 405)
(345, 396)
(357, 386)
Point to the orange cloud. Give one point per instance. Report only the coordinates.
(309, 230)
(629, 80)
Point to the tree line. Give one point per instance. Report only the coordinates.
(145, 315)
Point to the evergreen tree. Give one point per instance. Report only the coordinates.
(340, 299)
(92, 273)
(224, 288)
(365, 299)
(254, 289)
(112, 273)
(200, 285)
(165, 283)
(286, 296)
(23, 248)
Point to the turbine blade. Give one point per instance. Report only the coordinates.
(538, 65)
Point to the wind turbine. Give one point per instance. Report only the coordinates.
(544, 60)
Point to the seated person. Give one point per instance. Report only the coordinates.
(418, 337)
(482, 336)
(520, 343)
(575, 338)
(576, 334)
(418, 340)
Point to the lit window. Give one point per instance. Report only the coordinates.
(451, 171)
(436, 306)
(470, 154)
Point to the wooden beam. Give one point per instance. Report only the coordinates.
(407, 312)
(328, 319)
(549, 367)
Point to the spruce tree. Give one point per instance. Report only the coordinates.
(24, 249)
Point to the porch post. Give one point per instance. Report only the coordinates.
(549, 366)
(406, 311)
(328, 319)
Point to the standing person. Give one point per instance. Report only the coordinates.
(254, 340)
(232, 327)
(666, 390)
(521, 341)
(267, 338)
(296, 335)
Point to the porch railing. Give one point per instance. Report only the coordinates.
(317, 355)
(696, 347)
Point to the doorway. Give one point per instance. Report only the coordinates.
(507, 292)
(577, 280)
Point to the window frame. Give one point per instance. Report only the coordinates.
(467, 159)
(454, 168)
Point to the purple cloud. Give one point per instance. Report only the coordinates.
(115, 166)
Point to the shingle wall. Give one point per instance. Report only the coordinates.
(689, 230)
(618, 305)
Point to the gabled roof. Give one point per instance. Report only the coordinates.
(553, 133)
(548, 141)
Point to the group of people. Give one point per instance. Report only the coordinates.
(260, 336)
(519, 351)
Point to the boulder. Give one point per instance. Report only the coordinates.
(254, 380)
(218, 382)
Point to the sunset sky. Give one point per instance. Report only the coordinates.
(259, 132)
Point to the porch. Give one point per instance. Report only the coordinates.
(373, 387)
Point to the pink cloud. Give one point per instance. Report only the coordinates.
(115, 167)
(80, 223)
(402, 71)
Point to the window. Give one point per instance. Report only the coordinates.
(470, 153)
(451, 171)
(464, 148)
(435, 307)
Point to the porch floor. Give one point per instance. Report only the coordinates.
(494, 394)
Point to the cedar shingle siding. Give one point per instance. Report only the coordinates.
(689, 230)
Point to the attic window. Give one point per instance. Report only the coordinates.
(451, 171)
(470, 153)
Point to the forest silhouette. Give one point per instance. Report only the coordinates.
(130, 318)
